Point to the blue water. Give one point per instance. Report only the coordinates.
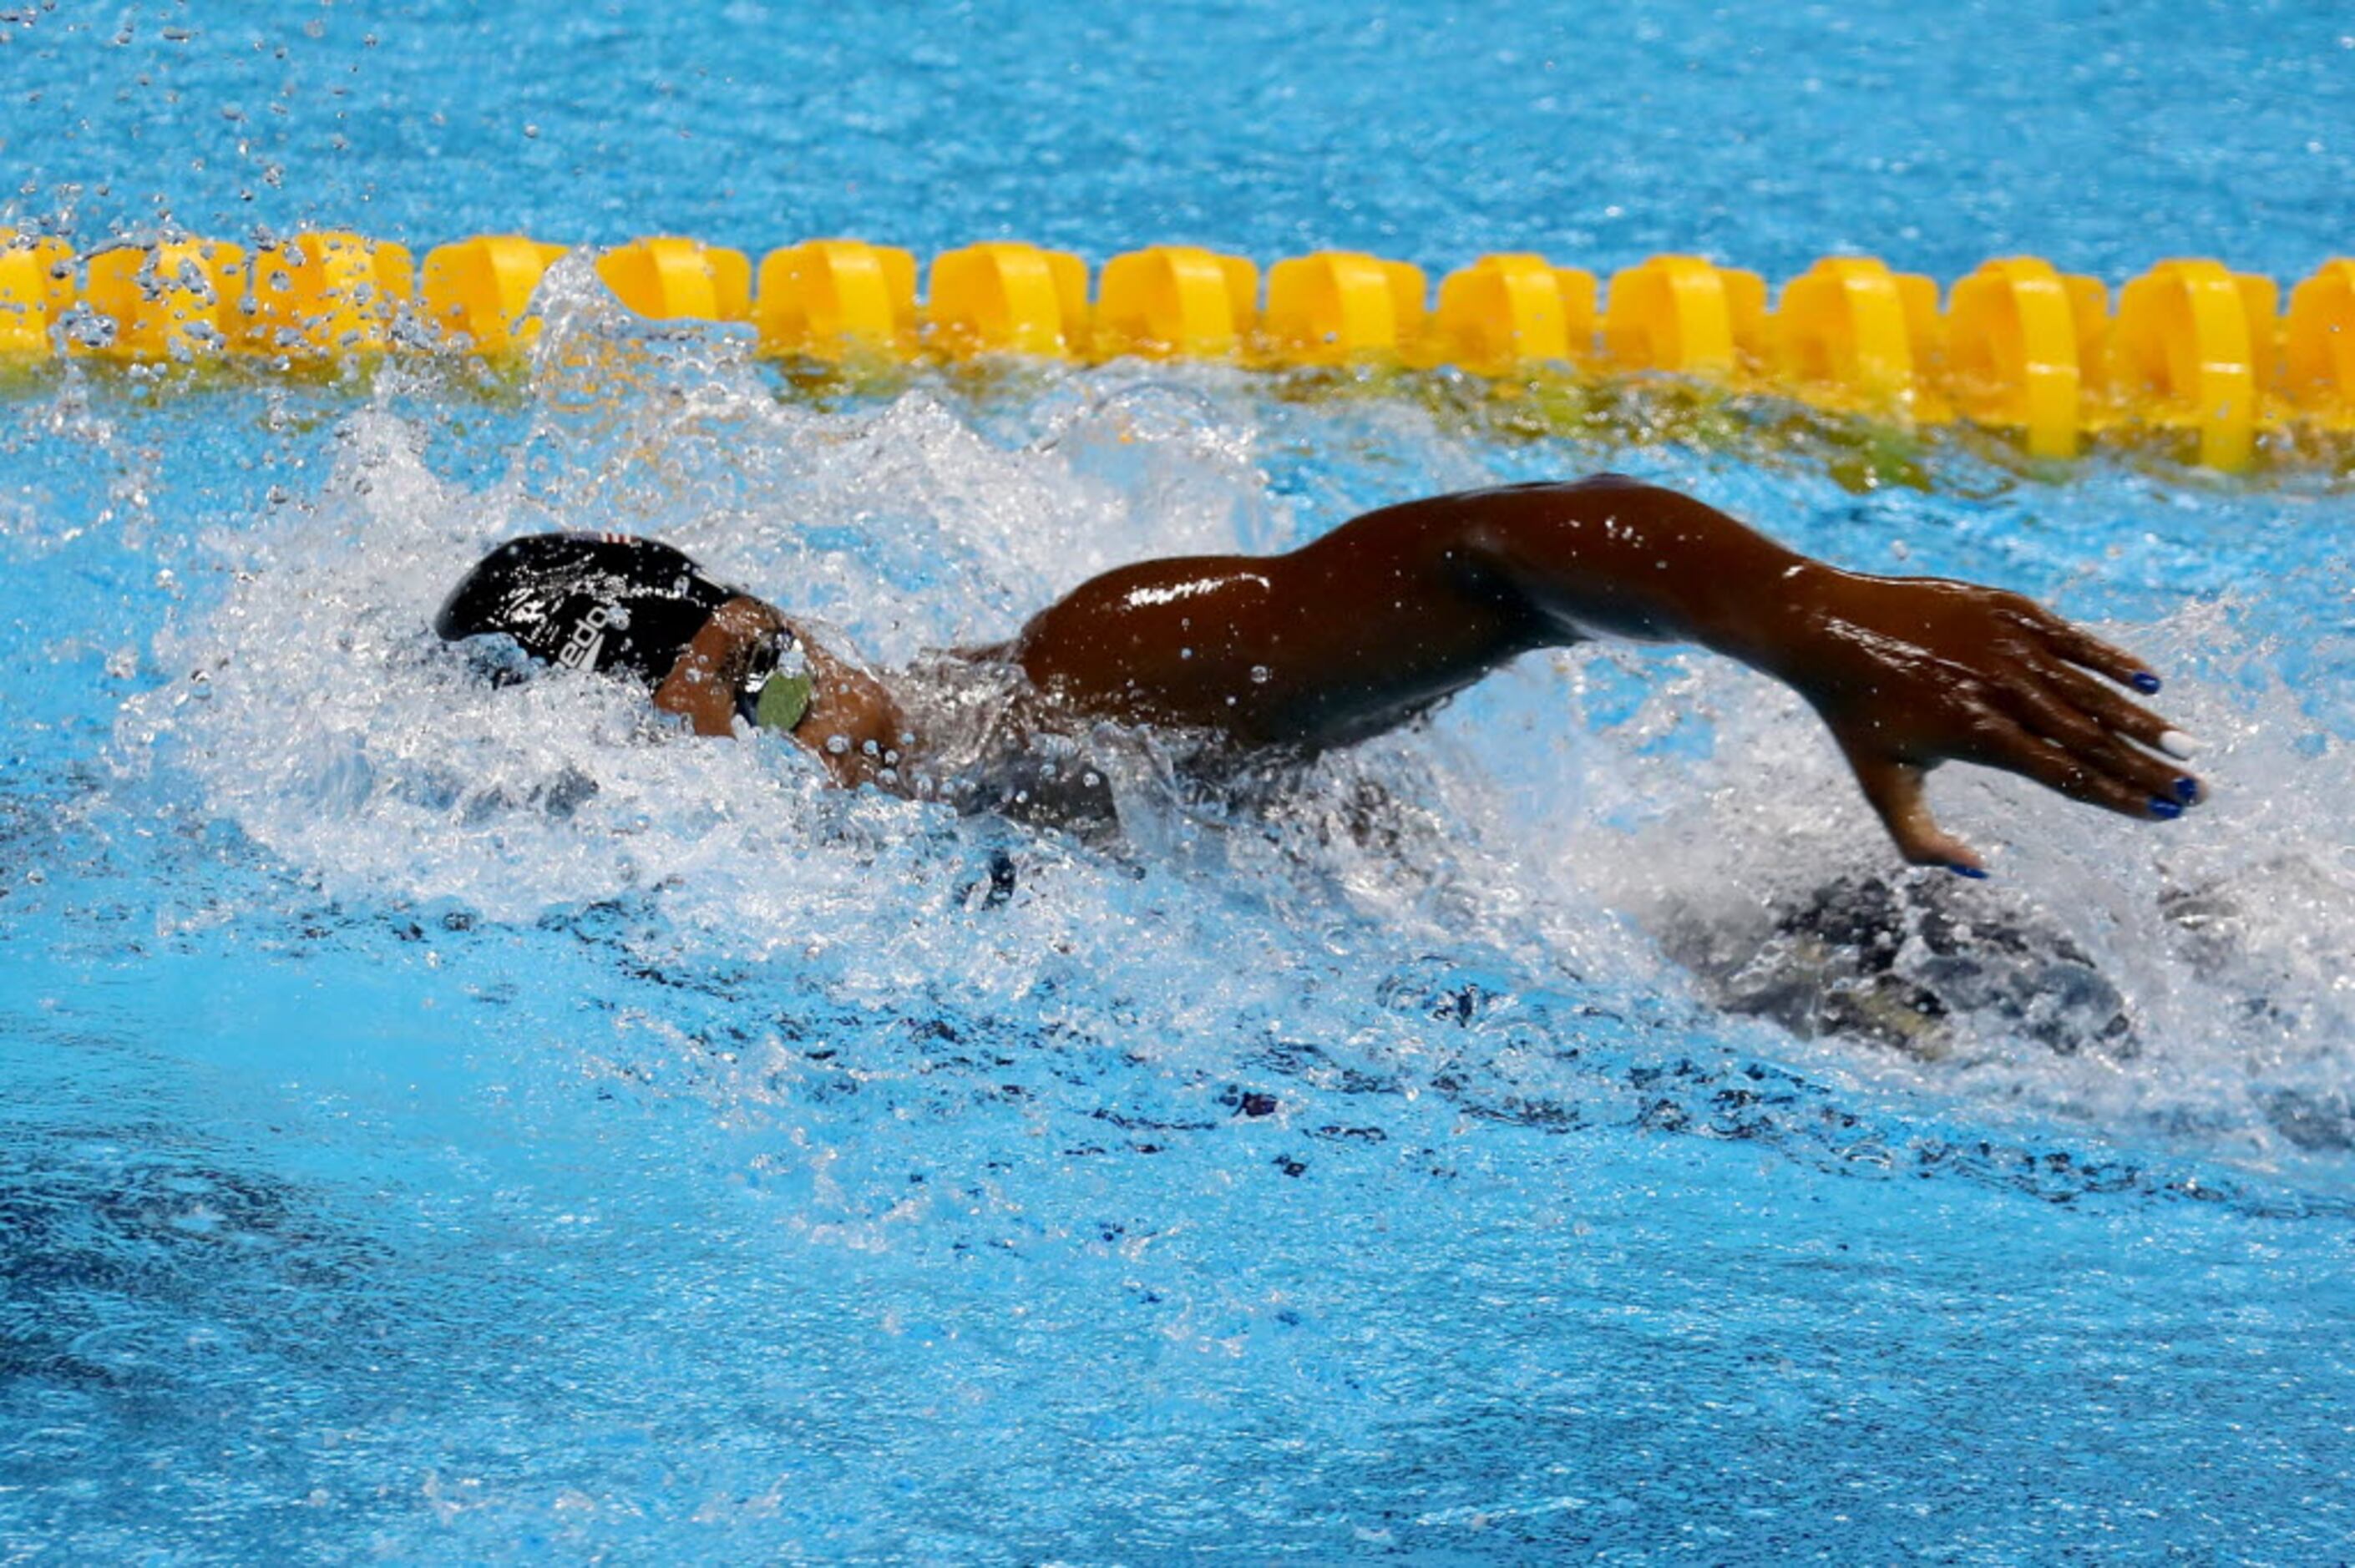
(451, 1124)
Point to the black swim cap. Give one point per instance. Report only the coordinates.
(587, 601)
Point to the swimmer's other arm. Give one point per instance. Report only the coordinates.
(852, 722)
(1370, 625)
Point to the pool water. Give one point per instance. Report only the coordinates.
(442, 1122)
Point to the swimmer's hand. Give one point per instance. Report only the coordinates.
(1912, 671)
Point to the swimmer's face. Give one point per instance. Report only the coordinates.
(725, 670)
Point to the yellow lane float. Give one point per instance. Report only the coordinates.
(2194, 348)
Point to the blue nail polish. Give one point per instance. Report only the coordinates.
(2186, 790)
(1974, 873)
(2165, 810)
(2146, 683)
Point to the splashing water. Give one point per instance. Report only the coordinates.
(1573, 821)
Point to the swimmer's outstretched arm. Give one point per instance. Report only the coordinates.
(1907, 672)
(1369, 626)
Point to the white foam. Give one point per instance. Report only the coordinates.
(2224, 933)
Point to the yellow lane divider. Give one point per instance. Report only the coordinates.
(2024, 350)
(831, 297)
(479, 292)
(1175, 302)
(1504, 311)
(35, 288)
(2192, 349)
(2318, 356)
(1680, 314)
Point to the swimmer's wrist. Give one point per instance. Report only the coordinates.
(1783, 621)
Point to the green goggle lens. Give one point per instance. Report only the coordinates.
(784, 700)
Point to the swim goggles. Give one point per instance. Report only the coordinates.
(770, 697)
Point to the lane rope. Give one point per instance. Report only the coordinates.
(2191, 347)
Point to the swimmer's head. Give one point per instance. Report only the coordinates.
(587, 601)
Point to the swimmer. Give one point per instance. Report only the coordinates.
(1275, 659)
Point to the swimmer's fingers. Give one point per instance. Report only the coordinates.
(2131, 720)
(2103, 777)
(2090, 742)
(2081, 647)
(2072, 686)
(1893, 789)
